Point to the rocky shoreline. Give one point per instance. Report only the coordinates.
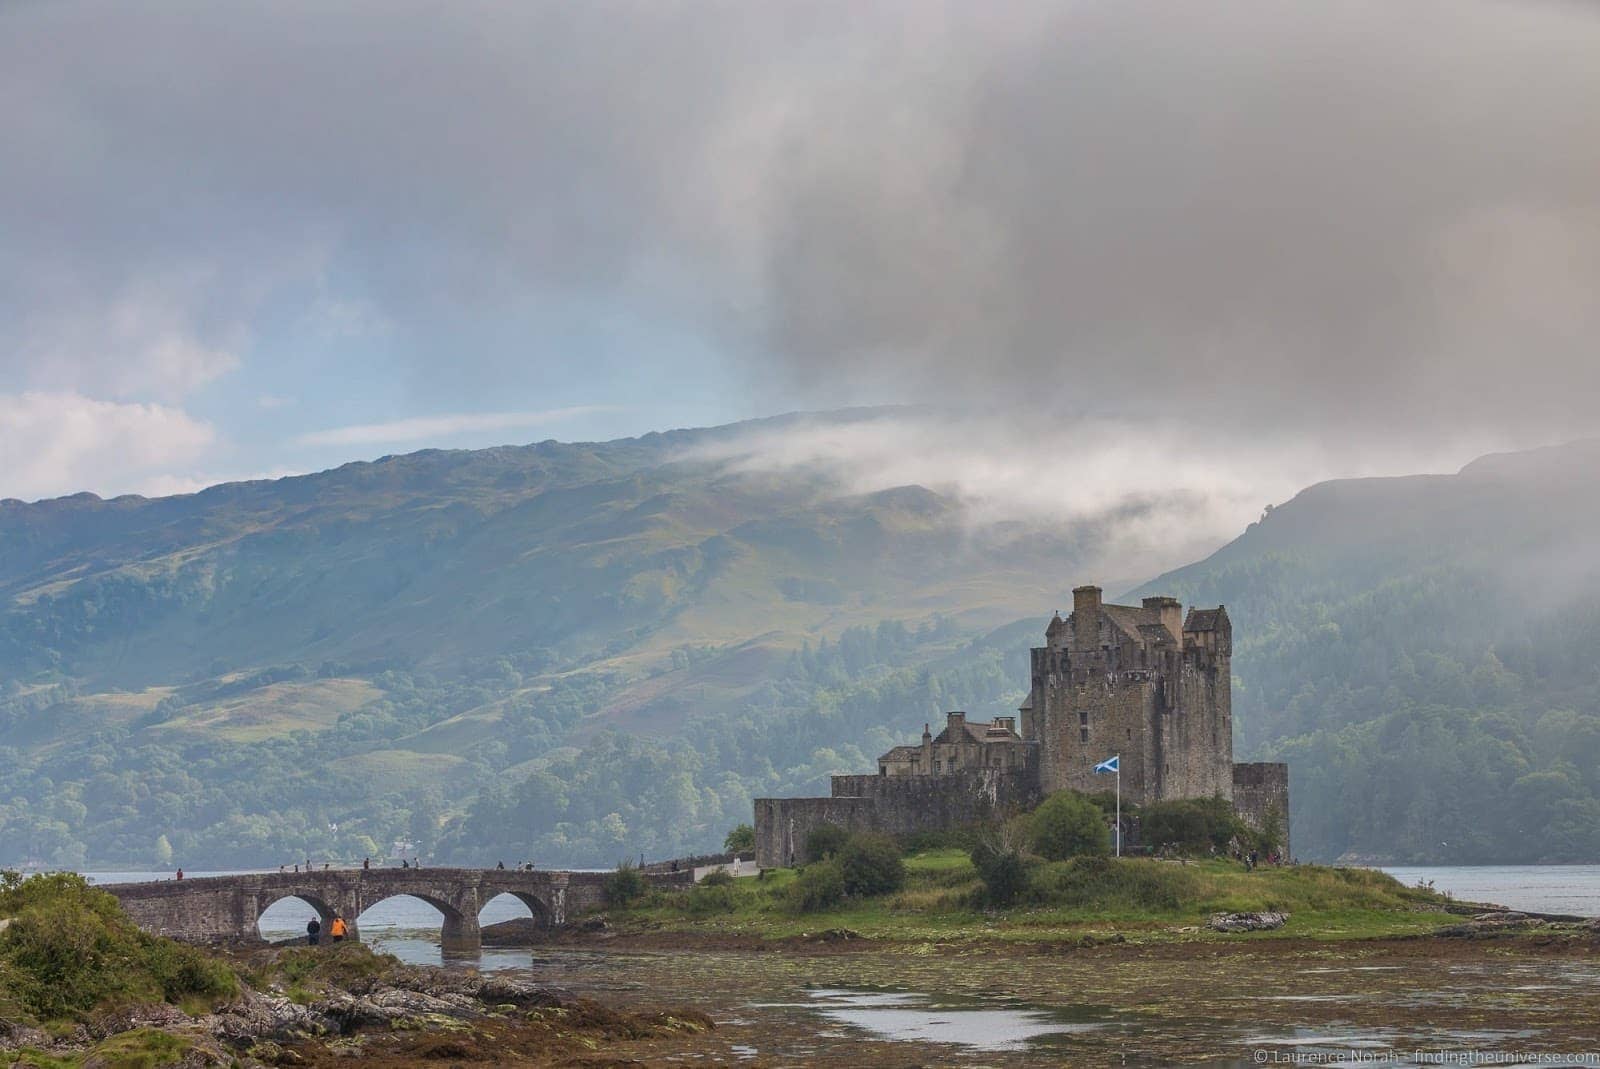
(312, 1007)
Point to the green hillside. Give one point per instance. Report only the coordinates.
(580, 652)
(241, 669)
(1423, 651)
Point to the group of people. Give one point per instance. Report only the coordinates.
(366, 864)
(525, 866)
(337, 930)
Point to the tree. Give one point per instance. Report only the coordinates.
(741, 840)
(1068, 825)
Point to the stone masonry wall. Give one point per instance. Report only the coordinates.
(890, 805)
(1260, 791)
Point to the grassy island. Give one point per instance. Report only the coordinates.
(943, 898)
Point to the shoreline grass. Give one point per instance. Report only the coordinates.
(1136, 899)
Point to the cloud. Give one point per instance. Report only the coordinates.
(1303, 230)
(1140, 498)
(168, 484)
(433, 428)
(54, 440)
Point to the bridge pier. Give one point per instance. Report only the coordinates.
(461, 933)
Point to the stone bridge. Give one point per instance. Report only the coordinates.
(226, 908)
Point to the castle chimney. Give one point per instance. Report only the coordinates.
(1086, 617)
(954, 721)
(1171, 615)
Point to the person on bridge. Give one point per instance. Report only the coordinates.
(366, 863)
(313, 930)
(501, 866)
(337, 929)
(180, 874)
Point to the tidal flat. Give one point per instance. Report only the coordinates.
(1251, 1002)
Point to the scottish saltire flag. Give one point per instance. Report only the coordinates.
(1109, 764)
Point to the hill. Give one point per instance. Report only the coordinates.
(580, 652)
(1422, 650)
(241, 669)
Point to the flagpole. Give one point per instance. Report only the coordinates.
(1119, 805)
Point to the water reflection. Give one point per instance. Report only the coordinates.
(916, 1017)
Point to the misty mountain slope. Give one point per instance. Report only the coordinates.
(431, 559)
(1422, 649)
(237, 666)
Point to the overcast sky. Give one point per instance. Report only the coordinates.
(1305, 239)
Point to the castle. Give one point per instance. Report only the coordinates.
(1144, 682)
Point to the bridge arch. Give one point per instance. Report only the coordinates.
(286, 920)
(538, 909)
(458, 924)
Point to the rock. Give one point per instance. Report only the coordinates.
(1505, 916)
(1247, 922)
(14, 1035)
(258, 1015)
(147, 1015)
(392, 1005)
(498, 990)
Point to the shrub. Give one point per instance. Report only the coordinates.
(717, 878)
(625, 886)
(709, 898)
(741, 840)
(825, 841)
(871, 865)
(1002, 869)
(1067, 825)
(1192, 824)
(819, 886)
(1103, 883)
(69, 948)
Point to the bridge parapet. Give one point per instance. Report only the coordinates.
(228, 908)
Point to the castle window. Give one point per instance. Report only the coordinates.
(1084, 732)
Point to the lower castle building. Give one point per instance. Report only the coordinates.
(1144, 682)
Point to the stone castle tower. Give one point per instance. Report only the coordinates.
(1144, 682)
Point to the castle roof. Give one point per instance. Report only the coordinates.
(1129, 618)
(902, 753)
(1208, 620)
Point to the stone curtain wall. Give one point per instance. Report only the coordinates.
(890, 805)
(1260, 792)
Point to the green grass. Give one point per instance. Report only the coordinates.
(1136, 898)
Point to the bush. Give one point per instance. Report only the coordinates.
(741, 840)
(871, 865)
(1193, 825)
(717, 878)
(1103, 883)
(70, 948)
(819, 886)
(1002, 869)
(825, 841)
(709, 898)
(1068, 825)
(625, 886)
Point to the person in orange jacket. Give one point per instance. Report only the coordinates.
(337, 928)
